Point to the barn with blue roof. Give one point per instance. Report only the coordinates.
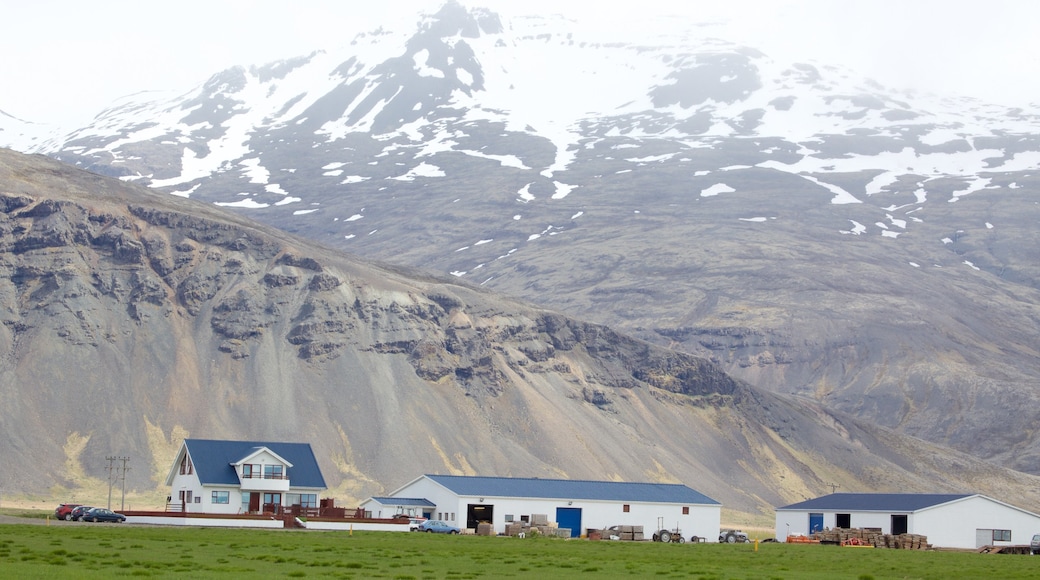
(243, 477)
(577, 505)
(948, 520)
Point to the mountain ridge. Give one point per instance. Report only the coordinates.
(179, 319)
(813, 233)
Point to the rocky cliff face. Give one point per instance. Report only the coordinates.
(131, 319)
(806, 229)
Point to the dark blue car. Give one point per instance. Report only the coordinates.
(437, 527)
(102, 515)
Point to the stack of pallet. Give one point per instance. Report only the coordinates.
(539, 524)
(872, 537)
(623, 533)
(907, 542)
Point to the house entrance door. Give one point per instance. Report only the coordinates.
(254, 502)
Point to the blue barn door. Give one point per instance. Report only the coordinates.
(815, 523)
(569, 518)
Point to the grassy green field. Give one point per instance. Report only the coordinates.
(73, 550)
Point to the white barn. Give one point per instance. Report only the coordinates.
(948, 520)
(465, 501)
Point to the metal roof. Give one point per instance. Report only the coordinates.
(882, 502)
(571, 489)
(416, 501)
(213, 458)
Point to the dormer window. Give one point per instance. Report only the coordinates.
(273, 472)
(250, 470)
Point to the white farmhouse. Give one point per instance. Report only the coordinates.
(948, 520)
(243, 477)
(465, 501)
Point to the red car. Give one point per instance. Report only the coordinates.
(64, 511)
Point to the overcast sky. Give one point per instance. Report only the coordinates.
(63, 61)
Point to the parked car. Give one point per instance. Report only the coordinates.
(437, 527)
(414, 523)
(64, 511)
(733, 537)
(76, 515)
(102, 515)
(1034, 545)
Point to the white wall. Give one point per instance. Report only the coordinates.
(205, 522)
(954, 525)
(951, 525)
(233, 506)
(186, 482)
(702, 521)
(354, 526)
(799, 521)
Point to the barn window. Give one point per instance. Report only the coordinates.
(625, 508)
(843, 521)
(1001, 535)
(509, 518)
(685, 510)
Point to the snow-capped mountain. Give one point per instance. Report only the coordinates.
(27, 136)
(809, 229)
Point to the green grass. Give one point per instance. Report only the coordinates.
(27, 513)
(112, 550)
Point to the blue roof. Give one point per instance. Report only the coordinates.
(571, 489)
(213, 458)
(416, 501)
(883, 502)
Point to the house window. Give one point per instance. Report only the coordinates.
(186, 465)
(245, 503)
(272, 500)
(198, 499)
(250, 471)
(272, 472)
(221, 497)
(1001, 535)
(626, 508)
(185, 495)
(305, 500)
(685, 510)
(453, 516)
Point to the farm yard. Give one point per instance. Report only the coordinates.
(88, 550)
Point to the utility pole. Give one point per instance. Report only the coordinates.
(122, 498)
(111, 469)
(834, 487)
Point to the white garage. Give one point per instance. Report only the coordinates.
(948, 520)
(465, 501)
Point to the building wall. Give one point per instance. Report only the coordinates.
(799, 521)
(186, 483)
(952, 525)
(233, 506)
(702, 521)
(389, 510)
